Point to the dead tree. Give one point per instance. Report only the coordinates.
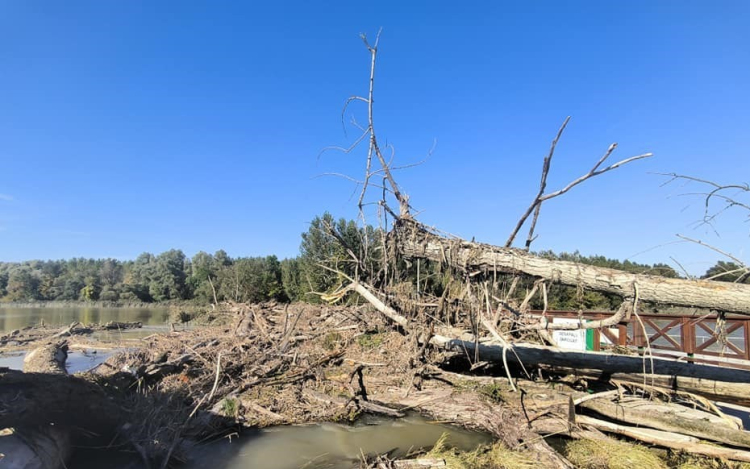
(471, 265)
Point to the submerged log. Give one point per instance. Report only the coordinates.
(421, 463)
(413, 240)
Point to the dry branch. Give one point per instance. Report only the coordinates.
(536, 204)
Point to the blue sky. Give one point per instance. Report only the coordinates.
(141, 126)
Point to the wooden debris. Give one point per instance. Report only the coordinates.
(674, 441)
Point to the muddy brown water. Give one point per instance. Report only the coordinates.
(325, 445)
(331, 445)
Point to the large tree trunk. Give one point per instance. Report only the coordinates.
(530, 355)
(412, 240)
(736, 393)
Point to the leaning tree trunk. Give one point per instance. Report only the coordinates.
(413, 240)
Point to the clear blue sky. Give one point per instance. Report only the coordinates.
(141, 126)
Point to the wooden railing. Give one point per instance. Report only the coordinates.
(695, 339)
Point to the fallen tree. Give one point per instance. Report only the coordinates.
(499, 328)
(731, 392)
(415, 241)
(532, 354)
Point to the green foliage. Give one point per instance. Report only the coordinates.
(324, 263)
(230, 407)
(331, 341)
(326, 253)
(167, 277)
(290, 279)
(370, 340)
(494, 391)
(728, 272)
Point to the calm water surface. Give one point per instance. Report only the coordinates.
(17, 318)
(331, 445)
(326, 445)
(78, 360)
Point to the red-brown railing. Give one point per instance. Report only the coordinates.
(691, 338)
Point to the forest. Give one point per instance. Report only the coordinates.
(206, 278)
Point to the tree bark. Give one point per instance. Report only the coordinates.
(735, 393)
(414, 241)
(669, 422)
(530, 354)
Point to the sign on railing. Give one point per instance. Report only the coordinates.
(705, 339)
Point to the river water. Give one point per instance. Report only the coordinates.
(153, 319)
(18, 318)
(331, 445)
(326, 445)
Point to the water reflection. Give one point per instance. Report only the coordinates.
(78, 360)
(18, 318)
(330, 445)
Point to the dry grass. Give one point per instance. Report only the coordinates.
(589, 454)
(495, 456)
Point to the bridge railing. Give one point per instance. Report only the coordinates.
(695, 339)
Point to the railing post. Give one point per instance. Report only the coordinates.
(622, 335)
(687, 338)
(745, 325)
(597, 340)
(639, 335)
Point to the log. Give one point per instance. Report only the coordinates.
(669, 422)
(666, 440)
(421, 463)
(157, 371)
(114, 325)
(530, 354)
(48, 358)
(735, 393)
(413, 240)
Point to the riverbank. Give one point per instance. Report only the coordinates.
(274, 364)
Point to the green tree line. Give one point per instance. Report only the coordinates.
(328, 249)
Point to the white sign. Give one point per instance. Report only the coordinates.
(571, 340)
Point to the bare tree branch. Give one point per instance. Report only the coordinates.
(541, 197)
(718, 191)
(542, 186)
(723, 253)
